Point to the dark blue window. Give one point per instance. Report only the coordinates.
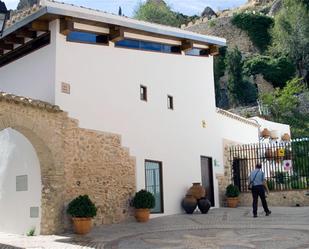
(87, 37)
(127, 44)
(150, 46)
(197, 52)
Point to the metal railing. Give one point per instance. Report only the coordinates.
(285, 164)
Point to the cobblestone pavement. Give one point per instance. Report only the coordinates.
(221, 228)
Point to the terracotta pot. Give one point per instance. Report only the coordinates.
(197, 191)
(285, 137)
(232, 202)
(265, 133)
(82, 225)
(204, 205)
(269, 154)
(189, 204)
(142, 214)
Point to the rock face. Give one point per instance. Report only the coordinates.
(158, 2)
(209, 13)
(259, 2)
(275, 8)
(223, 27)
(263, 85)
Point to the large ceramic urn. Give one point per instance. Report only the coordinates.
(189, 204)
(197, 191)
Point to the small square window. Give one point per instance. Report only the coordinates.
(34, 212)
(22, 183)
(170, 102)
(143, 93)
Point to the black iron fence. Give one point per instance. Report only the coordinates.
(285, 164)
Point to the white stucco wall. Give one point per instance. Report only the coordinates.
(18, 158)
(237, 131)
(105, 87)
(32, 75)
(279, 128)
(105, 95)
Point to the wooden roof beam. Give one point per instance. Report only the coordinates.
(213, 50)
(12, 39)
(186, 45)
(66, 26)
(39, 26)
(26, 33)
(5, 46)
(116, 34)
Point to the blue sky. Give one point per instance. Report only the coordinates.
(188, 7)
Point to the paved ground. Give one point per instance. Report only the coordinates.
(219, 229)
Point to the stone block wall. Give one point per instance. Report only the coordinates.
(73, 162)
(290, 198)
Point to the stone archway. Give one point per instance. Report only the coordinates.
(52, 175)
(73, 161)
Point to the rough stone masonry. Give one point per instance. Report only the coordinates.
(73, 162)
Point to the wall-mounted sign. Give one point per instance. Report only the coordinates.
(287, 165)
(65, 88)
(281, 152)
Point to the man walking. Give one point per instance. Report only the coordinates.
(257, 179)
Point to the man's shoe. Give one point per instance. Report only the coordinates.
(268, 213)
(255, 216)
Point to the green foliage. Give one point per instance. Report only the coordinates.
(219, 70)
(282, 105)
(301, 161)
(275, 70)
(291, 35)
(212, 23)
(232, 191)
(144, 199)
(159, 12)
(240, 90)
(281, 177)
(257, 26)
(82, 207)
(31, 232)
(298, 184)
(270, 184)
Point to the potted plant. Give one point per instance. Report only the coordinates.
(82, 210)
(232, 193)
(143, 201)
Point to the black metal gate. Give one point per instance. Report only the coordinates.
(285, 164)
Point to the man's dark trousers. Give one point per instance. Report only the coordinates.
(256, 192)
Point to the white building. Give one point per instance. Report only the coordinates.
(149, 83)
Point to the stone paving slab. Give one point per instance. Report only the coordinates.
(222, 228)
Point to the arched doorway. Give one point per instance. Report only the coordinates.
(20, 184)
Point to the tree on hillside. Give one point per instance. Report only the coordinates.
(291, 35)
(157, 11)
(23, 4)
(283, 106)
(240, 90)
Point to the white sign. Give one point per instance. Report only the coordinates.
(287, 165)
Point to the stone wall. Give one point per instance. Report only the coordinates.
(291, 198)
(73, 161)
